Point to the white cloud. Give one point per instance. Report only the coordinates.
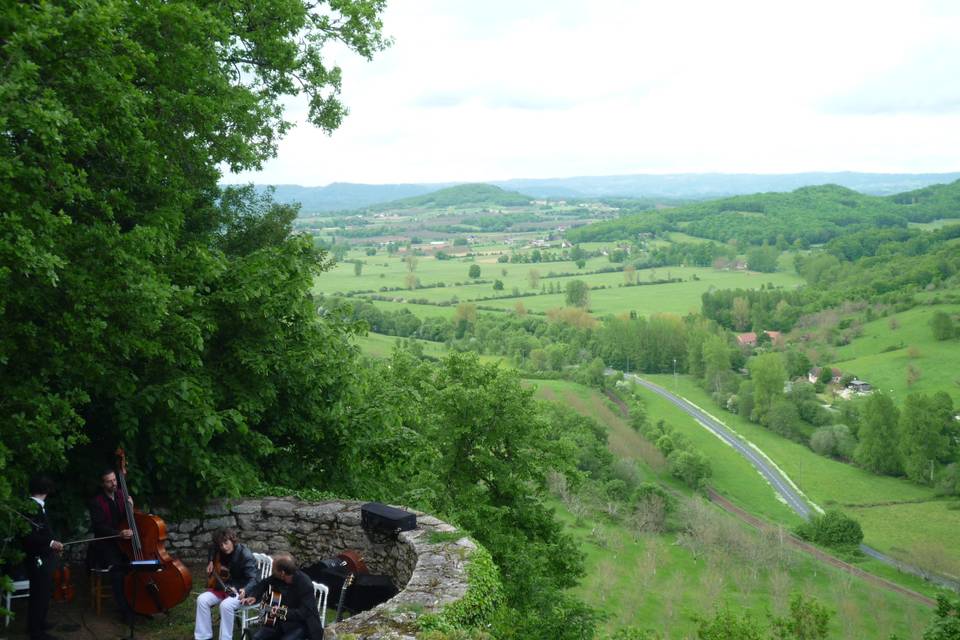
(501, 89)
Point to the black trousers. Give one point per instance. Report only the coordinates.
(282, 632)
(41, 590)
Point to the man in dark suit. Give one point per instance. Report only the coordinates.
(107, 513)
(302, 618)
(41, 550)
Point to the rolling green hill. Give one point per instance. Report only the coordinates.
(464, 195)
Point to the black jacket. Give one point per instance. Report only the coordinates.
(36, 543)
(241, 564)
(299, 600)
(106, 518)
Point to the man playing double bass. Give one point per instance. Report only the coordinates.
(241, 575)
(107, 512)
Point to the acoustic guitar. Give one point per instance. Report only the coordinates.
(273, 612)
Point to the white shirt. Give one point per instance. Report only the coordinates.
(44, 508)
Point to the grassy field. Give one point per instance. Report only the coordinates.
(890, 345)
(889, 508)
(650, 582)
(640, 578)
(382, 271)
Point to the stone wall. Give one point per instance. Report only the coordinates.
(429, 574)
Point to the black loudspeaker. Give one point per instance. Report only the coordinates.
(384, 519)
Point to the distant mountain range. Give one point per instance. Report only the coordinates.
(341, 196)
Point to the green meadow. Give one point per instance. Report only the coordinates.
(890, 346)
(391, 272)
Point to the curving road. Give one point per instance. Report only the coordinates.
(777, 479)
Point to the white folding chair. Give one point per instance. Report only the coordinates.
(320, 592)
(21, 589)
(251, 612)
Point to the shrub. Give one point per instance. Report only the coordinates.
(832, 529)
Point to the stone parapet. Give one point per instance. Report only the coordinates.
(429, 570)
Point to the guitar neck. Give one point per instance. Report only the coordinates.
(343, 596)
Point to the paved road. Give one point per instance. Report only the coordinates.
(775, 477)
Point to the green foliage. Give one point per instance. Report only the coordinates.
(474, 271)
(477, 608)
(942, 325)
(465, 441)
(691, 467)
(183, 325)
(728, 625)
(808, 620)
(763, 259)
(834, 441)
(577, 294)
(879, 447)
(946, 622)
(832, 529)
(926, 434)
(768, 375)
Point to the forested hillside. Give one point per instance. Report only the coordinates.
(809, 215)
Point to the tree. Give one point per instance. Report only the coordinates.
(768, 375)
(783, 418)
(942, 325)
(716, 361)
(578, 294)
(357, 267)
(832, 529)
(498, 285)
(879, 447)
(740, 313)
(808, 620)
(922, 439)
(184, 322)
(411, 261)
(533, 278)
(763, 259)
(946, 622)
(581, 263)
(474, 271)
(727, 625)
(630, 274)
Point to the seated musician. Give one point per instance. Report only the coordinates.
(107, 516)
(228, 589)
(301, 619)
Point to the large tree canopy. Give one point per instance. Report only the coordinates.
(140, 305)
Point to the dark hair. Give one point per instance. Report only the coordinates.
(222, 535)
(107, 471)
(40, 485)
(285, 563)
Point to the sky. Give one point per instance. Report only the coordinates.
(475, 91)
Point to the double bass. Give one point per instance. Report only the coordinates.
(158, 591)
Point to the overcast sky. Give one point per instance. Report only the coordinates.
(496, 89)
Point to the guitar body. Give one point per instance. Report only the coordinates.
(274, 611)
